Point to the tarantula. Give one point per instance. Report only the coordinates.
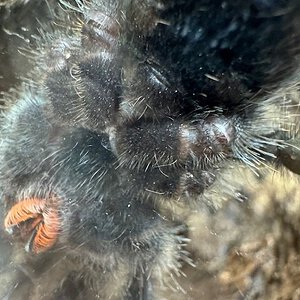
(132, 104)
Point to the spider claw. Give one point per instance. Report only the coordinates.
(35, 219)
(10, 230)
(23, 211)
(29, 244)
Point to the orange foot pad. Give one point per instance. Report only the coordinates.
(36, 218)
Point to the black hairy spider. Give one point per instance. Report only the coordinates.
(132, 104)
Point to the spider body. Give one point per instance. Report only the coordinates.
(138, 103)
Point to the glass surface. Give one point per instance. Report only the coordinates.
(149, 149)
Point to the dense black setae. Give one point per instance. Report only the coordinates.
(131, 104)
